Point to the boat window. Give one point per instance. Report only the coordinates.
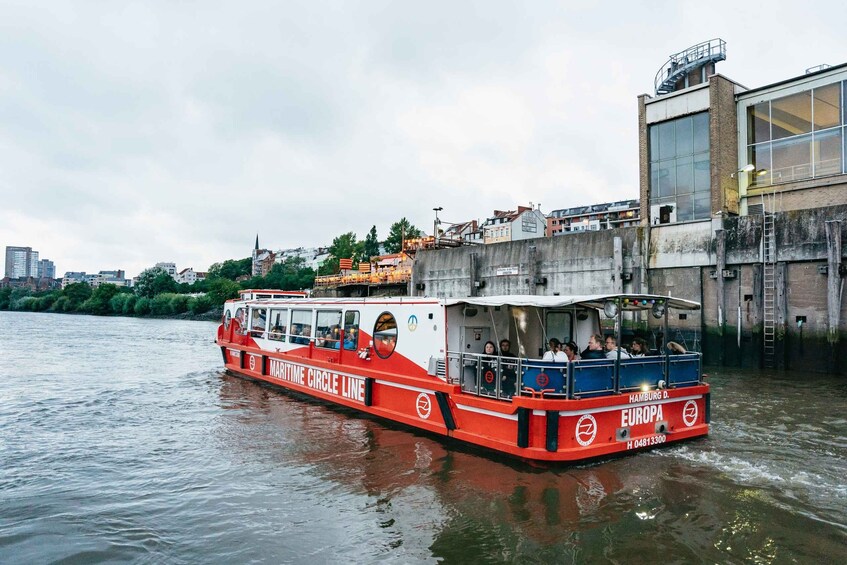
(240, 317)
(301, 327)
(385, 335)
(351, 330)
(227, 319)
(560, 326)
(278, 325)
(258, 319)
(328, 331)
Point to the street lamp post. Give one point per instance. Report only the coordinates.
(435, 226)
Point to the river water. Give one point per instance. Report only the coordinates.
(122, 441)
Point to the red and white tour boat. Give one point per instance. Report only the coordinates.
(421, 362)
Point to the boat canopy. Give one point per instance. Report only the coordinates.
(629, 302)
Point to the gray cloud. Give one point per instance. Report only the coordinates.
(136, 133)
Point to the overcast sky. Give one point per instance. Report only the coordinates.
(137, 132)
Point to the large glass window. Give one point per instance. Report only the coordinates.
(328, 331)
(351, 330)
(301, 327)
(679, 167)
(798, 137)
(258, 319)
(278, 324)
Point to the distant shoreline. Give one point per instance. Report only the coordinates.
(213, 315)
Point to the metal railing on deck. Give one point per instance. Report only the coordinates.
(506, 377)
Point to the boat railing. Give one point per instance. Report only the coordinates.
(505, 377)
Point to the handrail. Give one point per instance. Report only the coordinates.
(680, 63)
(582, 379)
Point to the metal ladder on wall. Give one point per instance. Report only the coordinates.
(769, 283)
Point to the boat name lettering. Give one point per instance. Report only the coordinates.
(648, 396)
(645, 441)
(321, 380)
(641, 415)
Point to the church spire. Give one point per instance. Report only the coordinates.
(257, 242)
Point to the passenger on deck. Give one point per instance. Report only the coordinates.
(612, 349)
(555, 353)
(571, 351)
(489, 348)
(509, 378)
(675, 348)
(595, 348)
(506, 348)
(639, 348)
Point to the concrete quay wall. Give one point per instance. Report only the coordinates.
(718, 263)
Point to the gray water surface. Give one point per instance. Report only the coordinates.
(122, 441)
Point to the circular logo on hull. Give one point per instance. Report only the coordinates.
(413, 323)
(423, 406)
(586, 430)
(542, 380)
(252, 363)
(689, 413)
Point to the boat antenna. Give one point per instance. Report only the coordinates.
(543, 329)
(517, 331)
(493, 325)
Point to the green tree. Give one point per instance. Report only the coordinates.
(142, 306)
(153, 281)
(231, 269)
(199, 304)
(344, 246)
(221, 290)
(400, 231)
(75, 294)
(5, 294)
(371, 248)
(98, 302)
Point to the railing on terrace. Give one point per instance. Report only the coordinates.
(506, 377)
(395, 276)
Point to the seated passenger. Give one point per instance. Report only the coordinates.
(571, 351)
(675, 348)
(639, 348)
(612, 349)
(555, 353)
(595, 348)
(350, 339)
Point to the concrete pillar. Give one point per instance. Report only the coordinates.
(833, 279)
(532, 269)
(472, 278)
(720, 237)
(617, 269)
(780, 313)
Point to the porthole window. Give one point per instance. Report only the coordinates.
(385, 335)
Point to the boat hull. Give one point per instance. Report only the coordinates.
(532, 427)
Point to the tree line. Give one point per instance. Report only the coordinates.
(156, 293)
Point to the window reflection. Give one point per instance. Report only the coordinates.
(679, 167)
(807, 132)
(791, 115)
(827, 151)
